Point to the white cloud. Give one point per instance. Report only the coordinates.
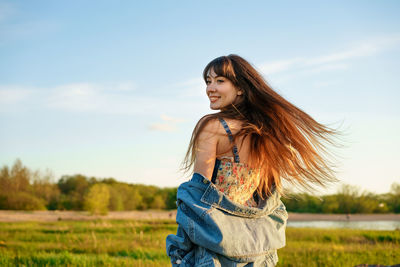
(75, 97)
(325, 67)
(10, 95)
(112, 98)
(162, 127)
(361, 50)
(188, 95)
(171, 119)
(332, 61)
(123, 86)
(279, 65)
(194, 87)
(118, 98)
(169, 124)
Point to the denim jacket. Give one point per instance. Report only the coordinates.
(214, 231)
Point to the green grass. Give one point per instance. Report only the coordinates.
(142, 243)
(339, 247)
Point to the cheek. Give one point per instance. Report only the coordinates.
(232, 94)
(229, 92)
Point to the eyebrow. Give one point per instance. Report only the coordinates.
(208, 76)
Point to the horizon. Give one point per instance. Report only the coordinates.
(49, 174)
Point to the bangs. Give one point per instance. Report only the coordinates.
(222, 66)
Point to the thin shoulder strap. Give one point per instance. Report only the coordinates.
(228, 131)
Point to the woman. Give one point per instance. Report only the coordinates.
(230, 212)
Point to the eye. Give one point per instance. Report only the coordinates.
(207, 82)
(220, 81)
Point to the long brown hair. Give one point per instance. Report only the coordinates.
(285, 142)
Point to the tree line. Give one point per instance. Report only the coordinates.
(23, 189)
(349, 199)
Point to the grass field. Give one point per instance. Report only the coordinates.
(142, 243)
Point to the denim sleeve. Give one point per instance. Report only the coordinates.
(180, 248)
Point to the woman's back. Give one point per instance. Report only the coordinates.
(232, 175)
(224, 144)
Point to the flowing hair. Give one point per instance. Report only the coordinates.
(285, 142)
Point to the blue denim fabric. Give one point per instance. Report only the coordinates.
(214, 231)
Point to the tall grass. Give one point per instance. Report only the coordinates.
(142, 243)
(339, 247)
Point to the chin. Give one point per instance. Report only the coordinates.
(214, 107)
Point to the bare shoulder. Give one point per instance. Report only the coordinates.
(207, 142)
(234, 124)
(209, 126)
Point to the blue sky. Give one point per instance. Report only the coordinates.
(114, 88)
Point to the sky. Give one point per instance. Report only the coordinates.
(114, 88)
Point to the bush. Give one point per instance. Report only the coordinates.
(24, 201)
(96, 200)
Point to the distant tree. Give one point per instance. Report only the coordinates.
(21, 188)
(147, 193)
(158, 203)
(5, 181)
(116, 202)
(133, 200)
(44, 187)
(3, 202)
(73, 189)
(393, 198)
(368, 203)
(15, 189)
(78, 183)
(19, 178)
(109, 181)
(291, 202)
(330, 204)
(170, 198)
(24, 201)
(347, 197)
(302, 203)
(395, 189)
(97, 198)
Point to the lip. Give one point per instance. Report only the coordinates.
(213, 98)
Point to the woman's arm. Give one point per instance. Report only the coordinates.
(207, 149)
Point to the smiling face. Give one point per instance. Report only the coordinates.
(220, 91)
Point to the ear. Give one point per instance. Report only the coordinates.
(239, 92)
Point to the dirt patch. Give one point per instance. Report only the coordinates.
(343, 217)
(48, 216)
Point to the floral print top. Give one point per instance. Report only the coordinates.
(237, 181)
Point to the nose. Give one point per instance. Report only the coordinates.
(210, 89)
